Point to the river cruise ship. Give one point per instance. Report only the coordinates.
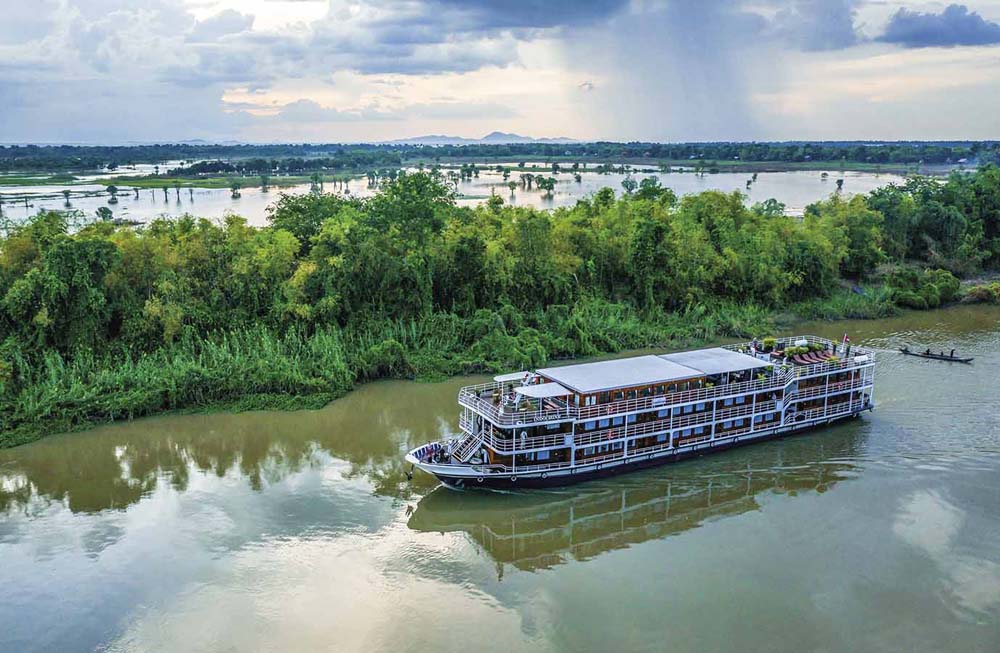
(562, 425)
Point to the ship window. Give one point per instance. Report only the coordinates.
(647, 391)
(672, 387)
(727, 425)
(659, 389)
(604, 423)
(552, 427)
(616, 446)
(630, 419)
(686, 432)
(604, 397)
(618, 396)
(661, 413)
(756, 420)
(677, 410)
(543, 455)
(632, 394)
(661, 437)
(590, 400)
(728, 402)
(688, 409)
(589, 426)
(739, 422)
(740, 399)
(699, 430)
(617, 421)
(682, 386)
(700, 406)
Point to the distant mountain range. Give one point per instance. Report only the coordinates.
(493, 138)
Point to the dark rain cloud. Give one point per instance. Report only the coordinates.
(956, 25)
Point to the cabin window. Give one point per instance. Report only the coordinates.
(632, 394)
(676, 410)
(617, 446)
(630, 419)
(590, 400)
(552, 427)
(739, 423)
(756, 420)
(727, 402)
(672, 387)
(618, 396)
(740, 399)
(687, 432)
(659, 390)
(604, 397)
(688, 409)
(617, 421)
(543, 455)
(661, 437)
(698, 430)
(727, 425)
(589, 426)
(589, 451)
(661, 413)
(604, 423)
(681, 387)
(700, 406)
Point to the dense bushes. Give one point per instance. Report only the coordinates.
(111, 322)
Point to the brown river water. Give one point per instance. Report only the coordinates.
(300, 532)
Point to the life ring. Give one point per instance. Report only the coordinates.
(513, 479)
(545, 475)
(479, 479)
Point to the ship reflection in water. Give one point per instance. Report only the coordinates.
(540, 529)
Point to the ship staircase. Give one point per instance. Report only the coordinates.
(470, 442)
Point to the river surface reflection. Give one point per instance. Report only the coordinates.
(300, 531)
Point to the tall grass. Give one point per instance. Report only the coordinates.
(262, 368)
(872, 303)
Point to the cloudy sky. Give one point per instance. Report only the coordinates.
(339, 70)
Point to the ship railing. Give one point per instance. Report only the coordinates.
(698, 395)
(833, 388)
(517, 443)
(469, 396)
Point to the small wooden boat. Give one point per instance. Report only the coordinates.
(936, 357)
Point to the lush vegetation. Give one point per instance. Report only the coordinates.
(49, 158)
(112, 322)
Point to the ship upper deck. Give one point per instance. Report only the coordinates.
(621, 384)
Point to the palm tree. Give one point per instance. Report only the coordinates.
(177, 190)
(840, 185)
(113, 192)
(234, 187)
(577, 177)
(166, 189)
(512, 185)
(66, 195)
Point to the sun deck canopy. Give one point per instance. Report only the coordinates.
(512, 376)
(588, 378)
(543, 390)
(716, 360)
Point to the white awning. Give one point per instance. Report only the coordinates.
(543, 390)
(513, 376)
